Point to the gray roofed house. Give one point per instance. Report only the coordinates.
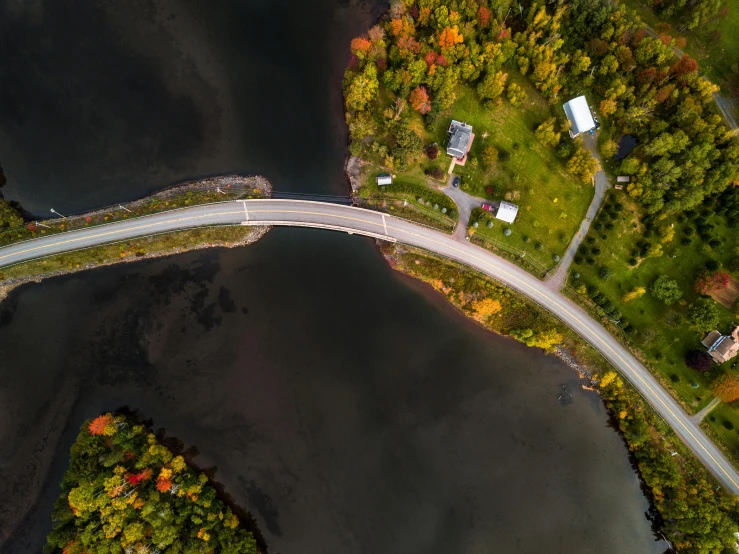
(578, 112)
(722, 347)
(460, 139)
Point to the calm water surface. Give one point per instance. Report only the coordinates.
(350, 409)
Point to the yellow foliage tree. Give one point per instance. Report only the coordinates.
(485, 308)
(449, 37)
(638, 292)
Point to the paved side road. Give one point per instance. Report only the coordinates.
(375, 224)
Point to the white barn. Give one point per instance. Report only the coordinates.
(578, 112)
(507, 212)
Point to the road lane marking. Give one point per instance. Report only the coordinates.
(246, 212)
(384, 224)
(523, 286)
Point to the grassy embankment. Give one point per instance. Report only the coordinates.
(552, 202)
(715, 46)
(683, 491)
(660, 333)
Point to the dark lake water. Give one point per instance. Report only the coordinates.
(625, 145)
(349, 408)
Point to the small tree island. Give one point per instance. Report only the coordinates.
(124, 492)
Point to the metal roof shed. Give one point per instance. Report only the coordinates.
(578, 113)
(384, 179)
(507, 212)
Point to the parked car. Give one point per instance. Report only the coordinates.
(456, 181)
(487, 207)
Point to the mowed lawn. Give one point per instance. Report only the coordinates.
(551, 202)
(661, 331)
(724, 421)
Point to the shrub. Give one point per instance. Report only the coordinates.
(686, 241)
(605, 273)
(590, 240)
(489, 224)
(609, 226)
(539, 246)
(595, 250)
(698, 360)
(577, 259)
(590, 261)
(435, 173)
(555, 258)
(598, 226)
(633, 261)
(432, 151)
(712, 265)
(507, 231)
(527, 240)
(733, 265)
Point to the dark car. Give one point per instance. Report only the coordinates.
(456, 181)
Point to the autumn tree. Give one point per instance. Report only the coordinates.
(485, 308)
(637, 292)
(492, 86)
(608, 106)
(420, 100)
(609, 148)
(583, 164)
(707, 283)
(449, 37)
(9, 216)
(547, 340)
(362, 89)
(489, 155)
(547, 133)
(516, 95)
(726, 387)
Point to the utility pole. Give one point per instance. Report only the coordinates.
(41, 224)
(57, 213)
(124, 208)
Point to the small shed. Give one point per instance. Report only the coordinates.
(507, 212)
(384, 179)
(460, 139)
(623, 179)
(578, 112)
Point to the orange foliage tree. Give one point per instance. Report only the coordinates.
(726, 387)
(102, 425)
(420, 100)
(449, 37)
(360, 46)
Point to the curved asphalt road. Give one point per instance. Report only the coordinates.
(375, 224)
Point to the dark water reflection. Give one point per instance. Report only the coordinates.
(343, 405)
(108, 101)
(346, 407)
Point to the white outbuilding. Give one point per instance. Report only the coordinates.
(507, 212)
(384, 179)
(578, 112)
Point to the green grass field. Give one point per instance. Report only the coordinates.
(551, 202)
(723, 422)
(661, 332)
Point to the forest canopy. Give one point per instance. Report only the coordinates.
(124, 492)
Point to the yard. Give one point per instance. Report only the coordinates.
(551, 202)
(723, 422)
(660, 331)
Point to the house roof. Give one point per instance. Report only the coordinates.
(711, 339)
(725, 347)
(578, 113)
(460, 139)
(507, 212)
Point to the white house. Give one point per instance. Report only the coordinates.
(507, 212)
(578, 112)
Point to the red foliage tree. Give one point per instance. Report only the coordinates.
(432, 152)
(381, 63)
(685, 65)
(441, 60)
(639, 36)
(97, 426)
(665, 39)
(430, 58)
(483, 16)
(420, 100)
(647, 76)
(706, 283)
(413, 11)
